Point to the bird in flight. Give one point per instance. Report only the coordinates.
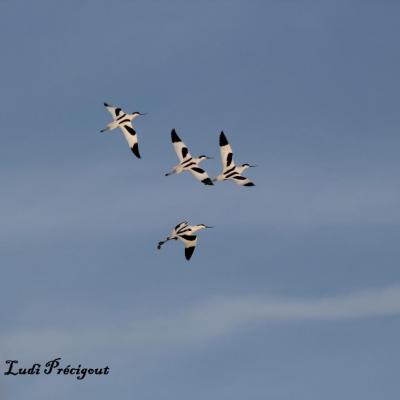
(185, 233)
(231, 171)
(123, 121)
(187, 162)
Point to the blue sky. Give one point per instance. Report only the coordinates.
(296, 293)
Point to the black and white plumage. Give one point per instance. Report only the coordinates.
(123, 121)
(185, 233)
(231, 171)
(187, 162)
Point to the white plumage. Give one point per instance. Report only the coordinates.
(187, 162)
(185, 232)
(231, 171)
(123, 121)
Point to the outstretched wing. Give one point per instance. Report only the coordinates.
(241, 180)
(190, 242)
(180, 148)
(131, 138)
(180, 227)
(114, 111)
(226, 152)
(200, 175)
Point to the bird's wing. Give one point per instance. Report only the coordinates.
(114, 111)
(131, 138)
(200, 175)
(180, 148)
(226, 152)
(181, 226)
(241, 180)
(190, 242)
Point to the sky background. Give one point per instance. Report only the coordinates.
(296, 292)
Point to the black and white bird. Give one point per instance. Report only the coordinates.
(187, 162)
(123, 121)
(185, 232)
(231, 171)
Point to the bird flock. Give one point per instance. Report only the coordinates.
(230, 171)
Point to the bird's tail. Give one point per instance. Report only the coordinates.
(165, 241)
(110, 126)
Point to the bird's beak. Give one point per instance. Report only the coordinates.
(209, 158)
(209, 226)
(142, 113)
(253, 166)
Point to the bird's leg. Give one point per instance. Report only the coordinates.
(171, 172)
(165, 241)
(160, 244)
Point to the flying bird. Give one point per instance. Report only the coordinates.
(185, 232)
(231, 171)
(187, 162)
(123, 121)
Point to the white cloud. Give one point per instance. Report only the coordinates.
(206, 321)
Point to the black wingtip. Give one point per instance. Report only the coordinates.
(135, 150)
(189, 252)
(249, 184)
(207, 181)
(222, 139)
(175, 138)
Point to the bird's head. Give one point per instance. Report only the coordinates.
(203, 157)
(245, 166)
(202, 226)
(137, 114)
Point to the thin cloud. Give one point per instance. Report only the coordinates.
(210, 320)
